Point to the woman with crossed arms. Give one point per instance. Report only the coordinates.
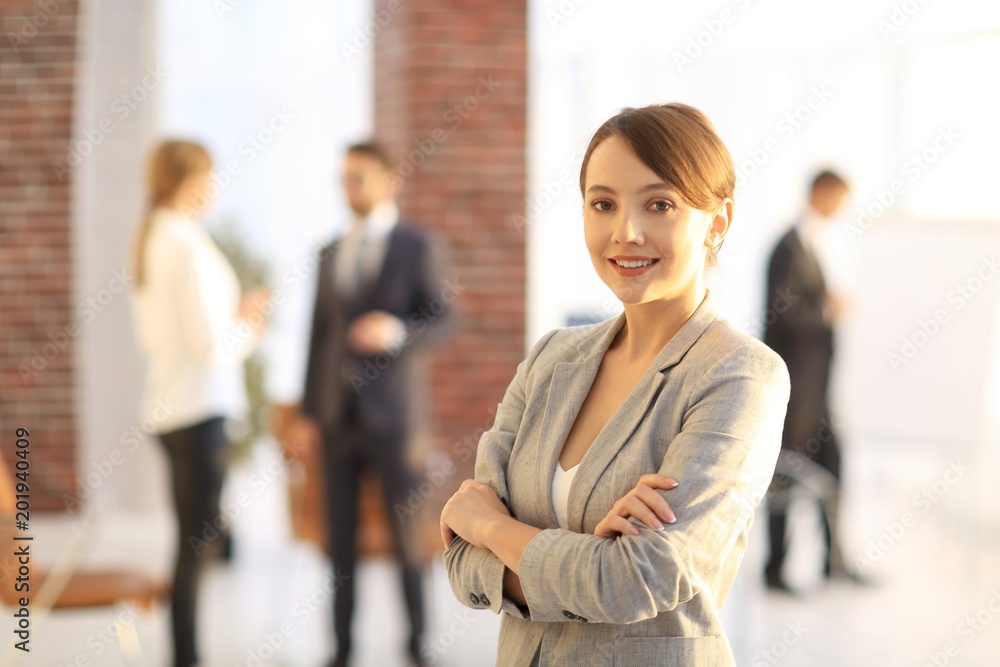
(567, 527)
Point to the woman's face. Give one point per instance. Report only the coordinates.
(645, 241)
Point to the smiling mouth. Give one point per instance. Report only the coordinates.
(634, 264)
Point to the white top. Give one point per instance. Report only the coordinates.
(187, 325)
(561, 481)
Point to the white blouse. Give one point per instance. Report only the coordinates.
(561, 481)
(187, 325)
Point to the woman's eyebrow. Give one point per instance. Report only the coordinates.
(660, 185)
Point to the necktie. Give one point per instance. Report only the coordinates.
(360, 262)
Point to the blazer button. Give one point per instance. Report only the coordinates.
(473, 598)
(568, 614)
(484, 600)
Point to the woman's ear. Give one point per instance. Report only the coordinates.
(719, 224)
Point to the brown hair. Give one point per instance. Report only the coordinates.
(826, 179)
(678, 143)
(373, 149)
(171, 163)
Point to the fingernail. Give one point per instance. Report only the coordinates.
(673, 519)
(657, 525)
(662, 527)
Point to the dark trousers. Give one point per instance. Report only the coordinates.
(348, 451)
(820, 445)
(197, 457)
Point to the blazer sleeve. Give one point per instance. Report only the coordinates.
(317, 334)
(792, 304)
(723, 459)
(474, 571)
(431, 319)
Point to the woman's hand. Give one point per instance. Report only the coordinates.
(254, 307)
(375, 332)
(642, 502)
(468, 511)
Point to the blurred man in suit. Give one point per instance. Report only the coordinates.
(802, 312)
(378, 298)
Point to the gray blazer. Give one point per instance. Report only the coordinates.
(708, 412)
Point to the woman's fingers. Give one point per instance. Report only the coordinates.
(634, 506)
(446, 534)
(657, 481)
(613, 524)
(656, 503)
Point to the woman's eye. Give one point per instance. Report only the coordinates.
(661, 206)
(602, 205)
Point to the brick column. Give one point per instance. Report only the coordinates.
(450, 101)
(38, 322)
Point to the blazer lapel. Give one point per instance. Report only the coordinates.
(390, 263)
(808, 260)
(625, 420)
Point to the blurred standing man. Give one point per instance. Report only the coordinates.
(379, 297)
(804, 308)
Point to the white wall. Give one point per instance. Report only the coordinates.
(117, 88)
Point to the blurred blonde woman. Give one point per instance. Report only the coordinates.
(195, 329)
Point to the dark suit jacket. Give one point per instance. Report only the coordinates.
(380, 386)
(798, 332)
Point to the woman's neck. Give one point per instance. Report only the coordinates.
(650, 326)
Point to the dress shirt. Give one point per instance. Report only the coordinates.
(366, 242)
(561, 481)
(374, 230)
(187, 323)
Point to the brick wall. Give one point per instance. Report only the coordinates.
(450, 101)
(37, 315)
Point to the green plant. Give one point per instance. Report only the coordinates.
(252, 272)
